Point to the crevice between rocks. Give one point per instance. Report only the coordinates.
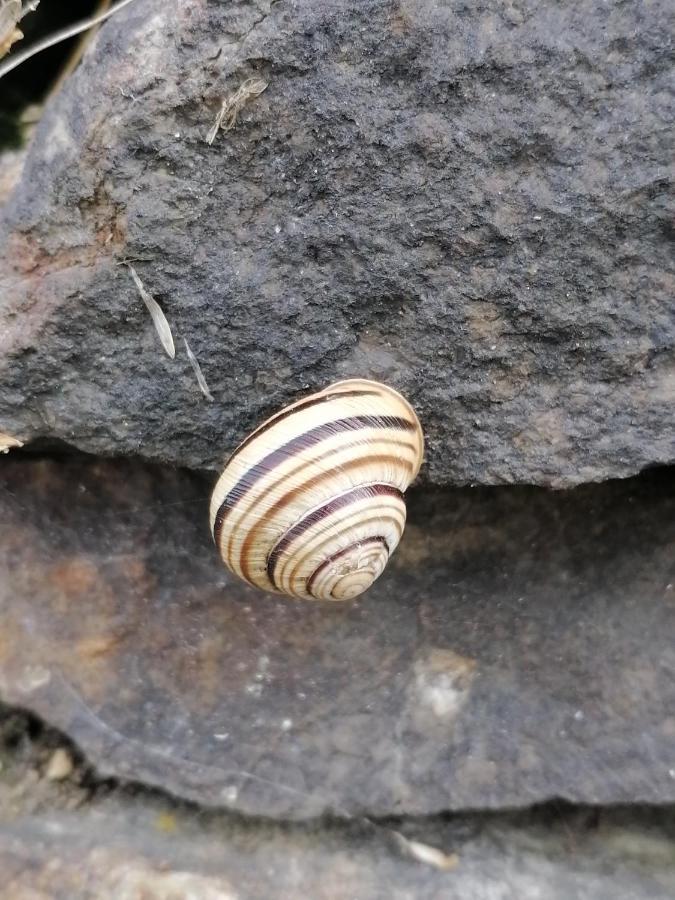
(82, 837)
(28, 742)
(50, 447)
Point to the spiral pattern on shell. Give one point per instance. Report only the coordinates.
(311, 503)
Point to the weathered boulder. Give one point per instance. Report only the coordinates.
(518, 648)
(466, 200)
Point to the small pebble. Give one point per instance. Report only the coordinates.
(60, 765)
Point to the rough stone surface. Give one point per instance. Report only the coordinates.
(519, 648)
(11, 164)
(82, 839)
(128, 852)
(466, 200)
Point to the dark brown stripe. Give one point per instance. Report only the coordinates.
(291, 448)
(377, 539)
(304, 465)
(303, 404)
(381, 518)
(359, 493)
(307, 486)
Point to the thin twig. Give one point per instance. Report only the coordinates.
(77, 52)
(62, 35)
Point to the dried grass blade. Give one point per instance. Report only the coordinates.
(213, 131)
(159, 320)
(201, 381)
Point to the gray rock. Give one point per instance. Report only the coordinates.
(518, 648)
(123, 847)
(466, 200)
(79, 839)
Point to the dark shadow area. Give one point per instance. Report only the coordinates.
(31, 82)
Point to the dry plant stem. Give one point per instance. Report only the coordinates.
(78, 52)
(232, 106)
(59, 36)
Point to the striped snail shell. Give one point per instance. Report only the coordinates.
(311, 503)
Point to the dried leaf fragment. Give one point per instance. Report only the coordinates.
(60, 765)
(201, 381)
(7, 442)
(232, 106)
(159, 320)
(6, 43)
(10, 13)
(431, 856)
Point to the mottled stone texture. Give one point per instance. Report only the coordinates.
(468, 200)
(83, 839)
(519, 647)
(126, 851)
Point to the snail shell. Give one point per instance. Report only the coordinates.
(311, 503)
